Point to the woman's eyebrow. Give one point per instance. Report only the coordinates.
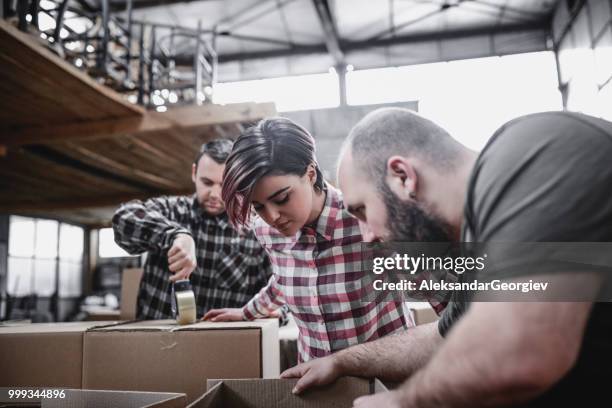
(282, 190)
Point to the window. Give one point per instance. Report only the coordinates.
(39, 250)
(292, 93)
(70, 260)
(107, 248)
(458, 95)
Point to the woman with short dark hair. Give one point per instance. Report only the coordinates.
(313, 242)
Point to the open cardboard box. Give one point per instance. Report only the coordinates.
(117, 399)
(43, 354)
(161, 356)
(422, 312)
(130, 283)
(276, 393)
(153, 356)
(70, 398)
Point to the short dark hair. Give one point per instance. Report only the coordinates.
(216, 149)
(274, 146)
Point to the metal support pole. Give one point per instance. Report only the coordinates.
(171, 56)
(59, 21)
(4, 244)
(128, 53)
(141, 62)
(563, 87)
(341, 71)
(34, 13)
(22, 10)
(85, 52)
(103, 52)
(151, 65)
(215, 58)
(197, 66)
(56, 295)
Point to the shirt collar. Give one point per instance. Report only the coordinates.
(326, 223)
(221, 220)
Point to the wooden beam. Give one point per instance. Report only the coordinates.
(209, 115)
(48, 179)
(11, 39)
(187, 117)
(125, 170)
(101, 201)
(90, 220)
(81, 131)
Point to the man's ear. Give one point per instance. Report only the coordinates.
(193, 172)
(401, 177)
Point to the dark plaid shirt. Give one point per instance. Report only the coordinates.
(232, 267)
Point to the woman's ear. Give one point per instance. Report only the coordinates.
(402, 177)
(311, 172)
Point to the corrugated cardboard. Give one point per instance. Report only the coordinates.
(130, 282)
(162, 356)
(42, 354)
(423, 313)
(116, 399)
(277, 394)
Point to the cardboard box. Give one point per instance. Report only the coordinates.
(91, 398)
(277, 394)
(130, 283)
(101, 313)
(162, 356)
(422, 312)
(70, 398)
(42, 354)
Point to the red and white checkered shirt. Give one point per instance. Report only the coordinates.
(318, 274)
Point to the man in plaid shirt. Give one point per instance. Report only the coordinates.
(191, 238)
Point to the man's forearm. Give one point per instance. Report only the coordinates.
(487, 362)
(394, 357)
(140, 227)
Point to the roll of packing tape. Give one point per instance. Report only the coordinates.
(185, 302)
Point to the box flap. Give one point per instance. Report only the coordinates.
(218, 396)
(114, 399)
(377, 386)
(422, 312)
(168, 361)
(71, 327)
(130, 282)
(172, 325)
(277, 393)
(43, 354)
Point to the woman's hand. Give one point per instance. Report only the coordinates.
(224, 315)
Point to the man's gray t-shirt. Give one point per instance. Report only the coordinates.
(547, 177)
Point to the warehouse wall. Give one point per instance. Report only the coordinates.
(582, 33)
(331, 126)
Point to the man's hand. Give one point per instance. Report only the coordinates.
(224, 315)
(391, 399)
(320, 371)
(181, 257)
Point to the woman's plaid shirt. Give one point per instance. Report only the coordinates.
(317, 273)
(231, 267)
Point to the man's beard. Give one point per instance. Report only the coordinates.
(411, 222)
